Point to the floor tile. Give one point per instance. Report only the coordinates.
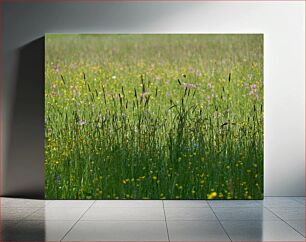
(298, 225)
(244, 214)
(127, 203)
(187, 219)
(185, 204)
(189, 214)
(281, 202)
(196, 231)
(300, 200)
(261, 231)
(124, 214)
(234, 203)
(118, 231)
(39, 230)
(290, 213)
(16, 213)
(22, 203)
(70, 203)
(57, 214)
(5, 224)
(7, 227)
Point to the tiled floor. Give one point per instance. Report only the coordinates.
(274, 219)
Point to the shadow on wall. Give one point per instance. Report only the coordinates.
(25, 157)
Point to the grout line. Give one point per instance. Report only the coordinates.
(219, 221)
(284, 221)
(166, 221)
(20, 221)
(24, 218)
(299, 201)
(77, 221)
(282, 197)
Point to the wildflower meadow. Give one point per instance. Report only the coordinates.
(163, 116)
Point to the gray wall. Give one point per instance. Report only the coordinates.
(23, 75)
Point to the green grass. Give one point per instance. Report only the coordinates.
(154, 117)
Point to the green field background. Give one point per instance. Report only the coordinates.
(154, 116)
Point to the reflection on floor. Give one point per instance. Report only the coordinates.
(274, 219)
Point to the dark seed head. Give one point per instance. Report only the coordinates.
(135, 92)
(185, 91)
(224, 124)
(63, 80)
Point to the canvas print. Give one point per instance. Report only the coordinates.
(154, 116)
